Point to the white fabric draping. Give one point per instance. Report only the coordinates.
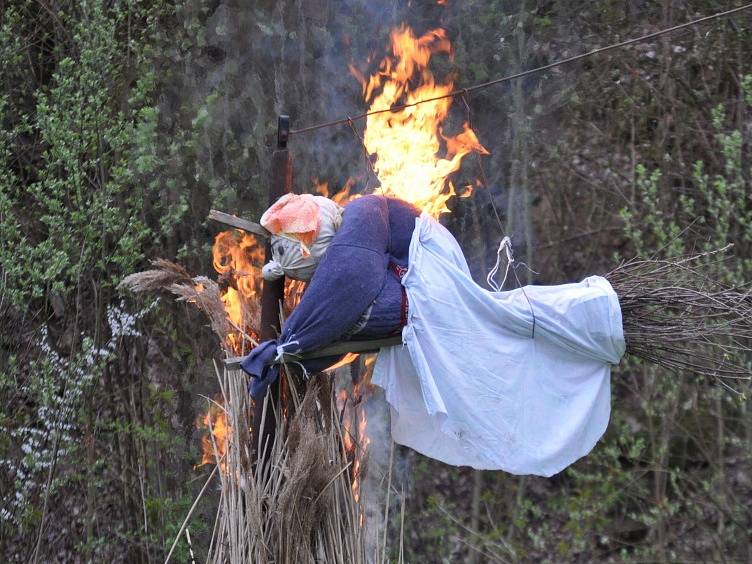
(479, 381)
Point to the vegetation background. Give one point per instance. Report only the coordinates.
(124, 121)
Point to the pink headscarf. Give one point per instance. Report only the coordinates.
(302, 227)
(294, 215)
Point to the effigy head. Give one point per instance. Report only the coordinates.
(302, 227)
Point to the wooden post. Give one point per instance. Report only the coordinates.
(272, 292)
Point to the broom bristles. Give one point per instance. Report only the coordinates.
(677, 315)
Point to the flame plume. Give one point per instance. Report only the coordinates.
(355, 437)
(405, 144)
(238, 258)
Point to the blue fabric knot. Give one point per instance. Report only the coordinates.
(258, 364)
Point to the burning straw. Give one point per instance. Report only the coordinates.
(677, 316)
(295, 504)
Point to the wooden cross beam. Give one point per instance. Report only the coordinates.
(238, 223)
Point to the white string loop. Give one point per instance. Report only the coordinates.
(281, 351)
(505, 245)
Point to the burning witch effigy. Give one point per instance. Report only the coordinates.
(517, 380)
(513, 380)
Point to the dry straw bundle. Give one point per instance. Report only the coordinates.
(198, 290)
(676, 315)
(294, 504)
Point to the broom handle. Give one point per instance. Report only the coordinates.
(336, 349)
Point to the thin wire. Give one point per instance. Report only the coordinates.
(527, 72)
(484, 178)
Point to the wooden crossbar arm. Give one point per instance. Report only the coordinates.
(238, 223)
(336, 349)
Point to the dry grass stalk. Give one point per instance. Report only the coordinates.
(164, 274)
(201, 291)
(207, 294)
(677, 316)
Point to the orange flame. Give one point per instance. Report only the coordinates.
(413, 156)
(238, 258)
(341, 197)
(214, 443)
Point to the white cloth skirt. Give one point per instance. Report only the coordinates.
(516, 381)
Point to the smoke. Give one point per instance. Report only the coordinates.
(377, 482)
(233, 67)
(374, 486)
